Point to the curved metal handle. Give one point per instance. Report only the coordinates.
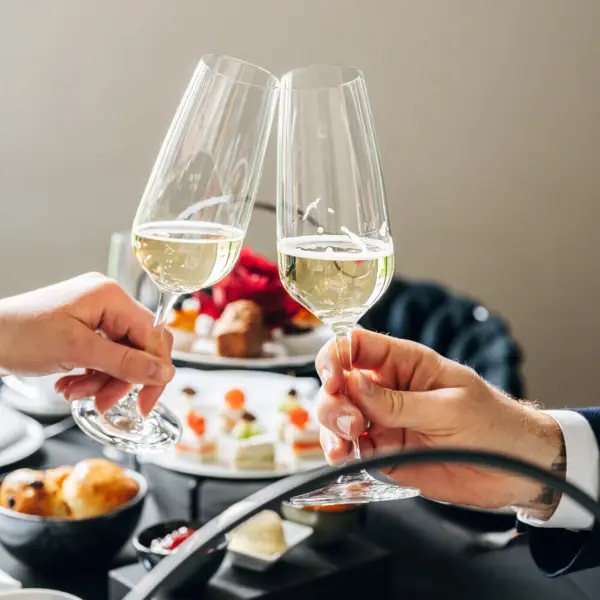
(175, 568)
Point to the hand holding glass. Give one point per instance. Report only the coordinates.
(340, 261)
(193, 216)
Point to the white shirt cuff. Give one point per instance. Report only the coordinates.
(583, 471)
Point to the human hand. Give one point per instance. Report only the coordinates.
(416, 399)
(54, 330)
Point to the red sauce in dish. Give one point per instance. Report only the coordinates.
(171, 541)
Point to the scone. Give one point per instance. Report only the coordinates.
(33, 493)
(96, 487)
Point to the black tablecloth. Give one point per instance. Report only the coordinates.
(433, 558)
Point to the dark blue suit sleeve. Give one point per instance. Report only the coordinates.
(558, 551)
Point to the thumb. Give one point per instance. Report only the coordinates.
(394, 408)
(122, 362)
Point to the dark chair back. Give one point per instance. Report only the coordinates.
(455, 326)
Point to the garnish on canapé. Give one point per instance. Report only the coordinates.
(298, 417)
(196, 423)
(235, 399)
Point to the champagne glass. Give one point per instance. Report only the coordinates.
(192, 219)
(335, 248)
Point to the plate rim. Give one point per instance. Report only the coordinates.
(29, 444)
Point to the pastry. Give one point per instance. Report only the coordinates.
(97, 486)
(302, 435)
(235, 401)
(33, 493)
(290, 402)
(239, 332)
(196, 440)
(262, 535)
(251, 448)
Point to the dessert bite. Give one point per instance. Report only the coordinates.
(195, 439)
(290, 402)
(302, 435)
(251, 448)
(231, 413)
(261, 535)
(239, 331)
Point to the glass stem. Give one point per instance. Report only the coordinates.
(343, 341)
(128, 405)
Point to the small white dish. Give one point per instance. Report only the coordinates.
(294, 534)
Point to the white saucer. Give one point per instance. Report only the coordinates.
(27, 444)
(39, 399)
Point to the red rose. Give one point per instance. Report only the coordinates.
(253, 278)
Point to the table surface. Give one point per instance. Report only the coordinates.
(433, 557)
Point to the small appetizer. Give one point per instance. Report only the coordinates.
(246, 427)
(235, 400)
(195, 439)
(251, 448)
(302, 435)
(289, 403)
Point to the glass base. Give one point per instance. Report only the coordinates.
(121, 427)
(356, 489)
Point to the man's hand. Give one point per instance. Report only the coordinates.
(416, 399)
(90, 323)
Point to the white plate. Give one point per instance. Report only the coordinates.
(286, 353)
(294, 534)
(39, 398)
(25, 446)
(36, 594)
(264, 392)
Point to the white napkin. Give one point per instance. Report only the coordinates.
(12, 426)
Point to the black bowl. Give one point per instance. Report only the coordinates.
(58, 544)
(203, 565)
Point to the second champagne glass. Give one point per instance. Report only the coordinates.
(338, 262)
(192, 219)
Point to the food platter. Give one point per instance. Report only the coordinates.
(282, 353)
(264, 392)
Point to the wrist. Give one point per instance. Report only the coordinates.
(546, 449)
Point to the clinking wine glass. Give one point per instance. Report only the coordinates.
(192, 219)
(335, 248)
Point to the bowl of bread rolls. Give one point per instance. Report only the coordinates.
(79, 515)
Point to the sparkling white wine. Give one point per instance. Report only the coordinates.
(338, 278)
(185, 256)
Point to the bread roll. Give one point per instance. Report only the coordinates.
(262, 534)
(239, 332)
(33, 493)
(97, 486)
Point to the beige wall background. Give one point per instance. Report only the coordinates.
(488, 115)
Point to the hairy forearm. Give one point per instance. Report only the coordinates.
(544, 500)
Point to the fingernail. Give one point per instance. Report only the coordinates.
(160, 372)
(329, 443)
(344, 424)
(325, 375)
(365, 385)
(76, 395)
